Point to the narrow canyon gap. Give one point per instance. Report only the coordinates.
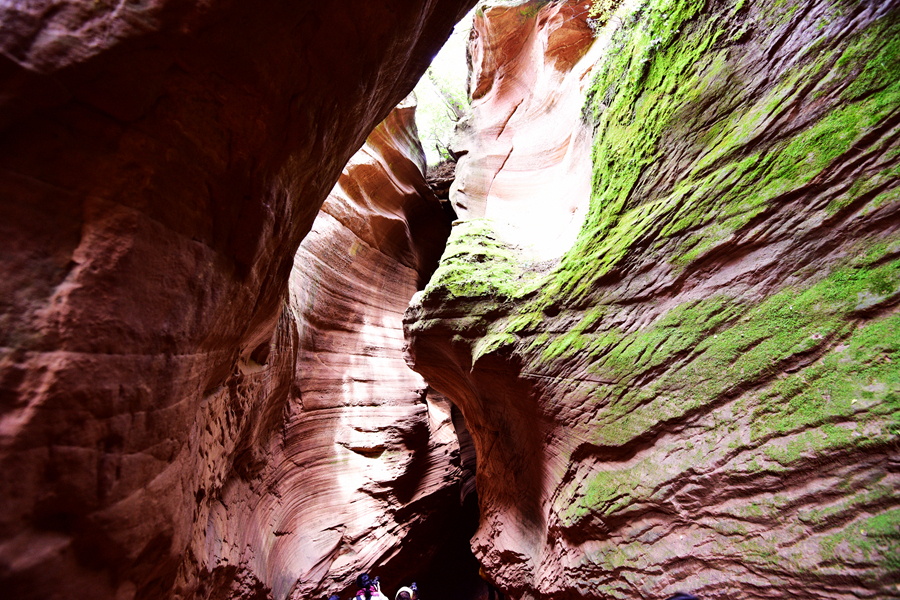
(668, 313)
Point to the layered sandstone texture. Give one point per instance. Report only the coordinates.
(365, 468)
(161, 162)
(525, 151)
(704, 392)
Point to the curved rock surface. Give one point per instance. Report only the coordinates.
(525, 150)
(161, 162)
(365, 468)
(703, 393)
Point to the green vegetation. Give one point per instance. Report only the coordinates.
(476, 264)
(847, 507)
(529, 10)
(875, 537)
(601, 12)
(442, 95)
(653, 75)
(848, 400)
(646, 89)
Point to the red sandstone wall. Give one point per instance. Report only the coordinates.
(702, 393)
(364, 457)
(160, 163)
(526, 155)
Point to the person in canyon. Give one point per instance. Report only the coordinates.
(368, 588)
(408, 593)
(683, 596)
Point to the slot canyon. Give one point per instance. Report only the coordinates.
(647, 342)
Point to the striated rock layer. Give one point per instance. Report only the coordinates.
(161, 162)
(703, 393)
(365, 456)
(525, 150)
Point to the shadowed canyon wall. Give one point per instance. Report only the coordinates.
(703, 392)
(161, 162)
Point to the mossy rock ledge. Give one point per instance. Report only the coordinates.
(704, 392)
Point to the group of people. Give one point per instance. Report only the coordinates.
(370, 589)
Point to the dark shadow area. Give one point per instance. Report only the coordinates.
(452, 574)
(439, 179)
(438, 557)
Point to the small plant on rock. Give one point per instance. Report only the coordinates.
(600, 13)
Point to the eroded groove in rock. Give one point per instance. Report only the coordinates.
(161, 163)
(367, 456)
(710, 372)
(525, 151)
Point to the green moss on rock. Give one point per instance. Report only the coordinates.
(709, 146)
(476, 263)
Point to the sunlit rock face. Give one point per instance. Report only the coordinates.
(161, 162)
(365, 458)
(526, 152)
(702, 395)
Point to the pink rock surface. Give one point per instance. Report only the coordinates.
(364, 456)
(526, 162)
(161, 163)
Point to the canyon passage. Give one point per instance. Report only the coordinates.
(646, 341)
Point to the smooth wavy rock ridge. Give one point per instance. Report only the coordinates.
(364, 468)
(525, 151)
